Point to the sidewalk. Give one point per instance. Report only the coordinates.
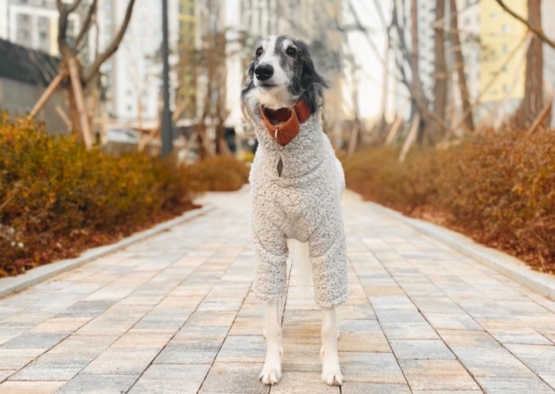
(174, 314)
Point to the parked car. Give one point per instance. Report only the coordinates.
(127, 136)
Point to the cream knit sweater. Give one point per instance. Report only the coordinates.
(302, 204)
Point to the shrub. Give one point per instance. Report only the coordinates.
(219, 173)
(498, 188)
(57, 199)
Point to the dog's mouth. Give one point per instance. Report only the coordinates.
(266, 85)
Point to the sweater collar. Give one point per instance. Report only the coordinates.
(284, 124)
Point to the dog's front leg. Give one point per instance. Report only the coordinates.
(271, 373)
(331, 372)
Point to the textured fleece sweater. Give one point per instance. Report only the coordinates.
(303, 204)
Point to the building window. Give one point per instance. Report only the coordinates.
(505, 48)
(505, 28)
(505, 67)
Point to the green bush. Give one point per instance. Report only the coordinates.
(498, 188)
(57, 199)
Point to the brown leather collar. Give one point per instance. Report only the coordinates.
(288, 121)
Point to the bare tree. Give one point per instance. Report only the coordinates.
(532, 103)
(80, 77)
(440, 73)
(536, 29)
(459, 64)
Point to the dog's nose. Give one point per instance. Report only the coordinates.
(264, 72)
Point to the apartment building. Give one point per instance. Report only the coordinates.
(34, 23)
(133, 73)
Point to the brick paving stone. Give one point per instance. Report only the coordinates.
(452, 321)
(514, 386)
(374, 388)
(5, 374)
(170, 379)
(30, 387)
(469, 339)
(492, 363)
(437, 375)
(409, 330)
(303, 382)
(540, 359)
(421, 350)
(549, 379)
(513, 332)
(98, 384)
(236, 378)
(242, 349)
(175, 313)
(370, 368)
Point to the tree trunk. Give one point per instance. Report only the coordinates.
(440, 74)
(459, 64)
(533, 94)
(414, 37)
(414, 50)
(75, 117)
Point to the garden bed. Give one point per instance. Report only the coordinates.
(498, 188)
(58, 199)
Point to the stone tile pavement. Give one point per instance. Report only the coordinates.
(174, 314)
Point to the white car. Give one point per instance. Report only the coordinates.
(127, 136)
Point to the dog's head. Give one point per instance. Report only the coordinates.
(281, 73)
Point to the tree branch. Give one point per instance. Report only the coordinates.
(537, 31)
(74, 6)
(86, 24)
(89, 74)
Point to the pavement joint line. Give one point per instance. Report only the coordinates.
(228, 330)
(12, 285)
(511, 267)
(178, 330)
(463, 365)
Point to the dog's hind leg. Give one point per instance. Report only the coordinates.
(271, 372)
(331, 371)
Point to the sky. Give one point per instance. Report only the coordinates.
(371, 73)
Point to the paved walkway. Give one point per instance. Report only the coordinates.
(174, 314)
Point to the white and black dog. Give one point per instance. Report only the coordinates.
(296, 187)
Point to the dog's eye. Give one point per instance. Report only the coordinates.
(259, 51)
(291, 51)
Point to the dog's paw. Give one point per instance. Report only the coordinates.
(331, 375)
(271, 373)
(331, 371)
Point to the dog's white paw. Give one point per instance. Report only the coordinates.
(331, 371)
(331, 374)
(271, 373)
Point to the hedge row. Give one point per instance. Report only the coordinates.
(57, 199)
(497, 188)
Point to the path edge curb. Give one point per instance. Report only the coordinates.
(508, 265)
(12, 285)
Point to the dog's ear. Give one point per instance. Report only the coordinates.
(250, 83)
(312, 83)
(245, 105)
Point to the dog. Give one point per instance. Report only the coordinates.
(296, 187)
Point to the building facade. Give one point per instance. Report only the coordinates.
(34, 23)
(133, 73)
